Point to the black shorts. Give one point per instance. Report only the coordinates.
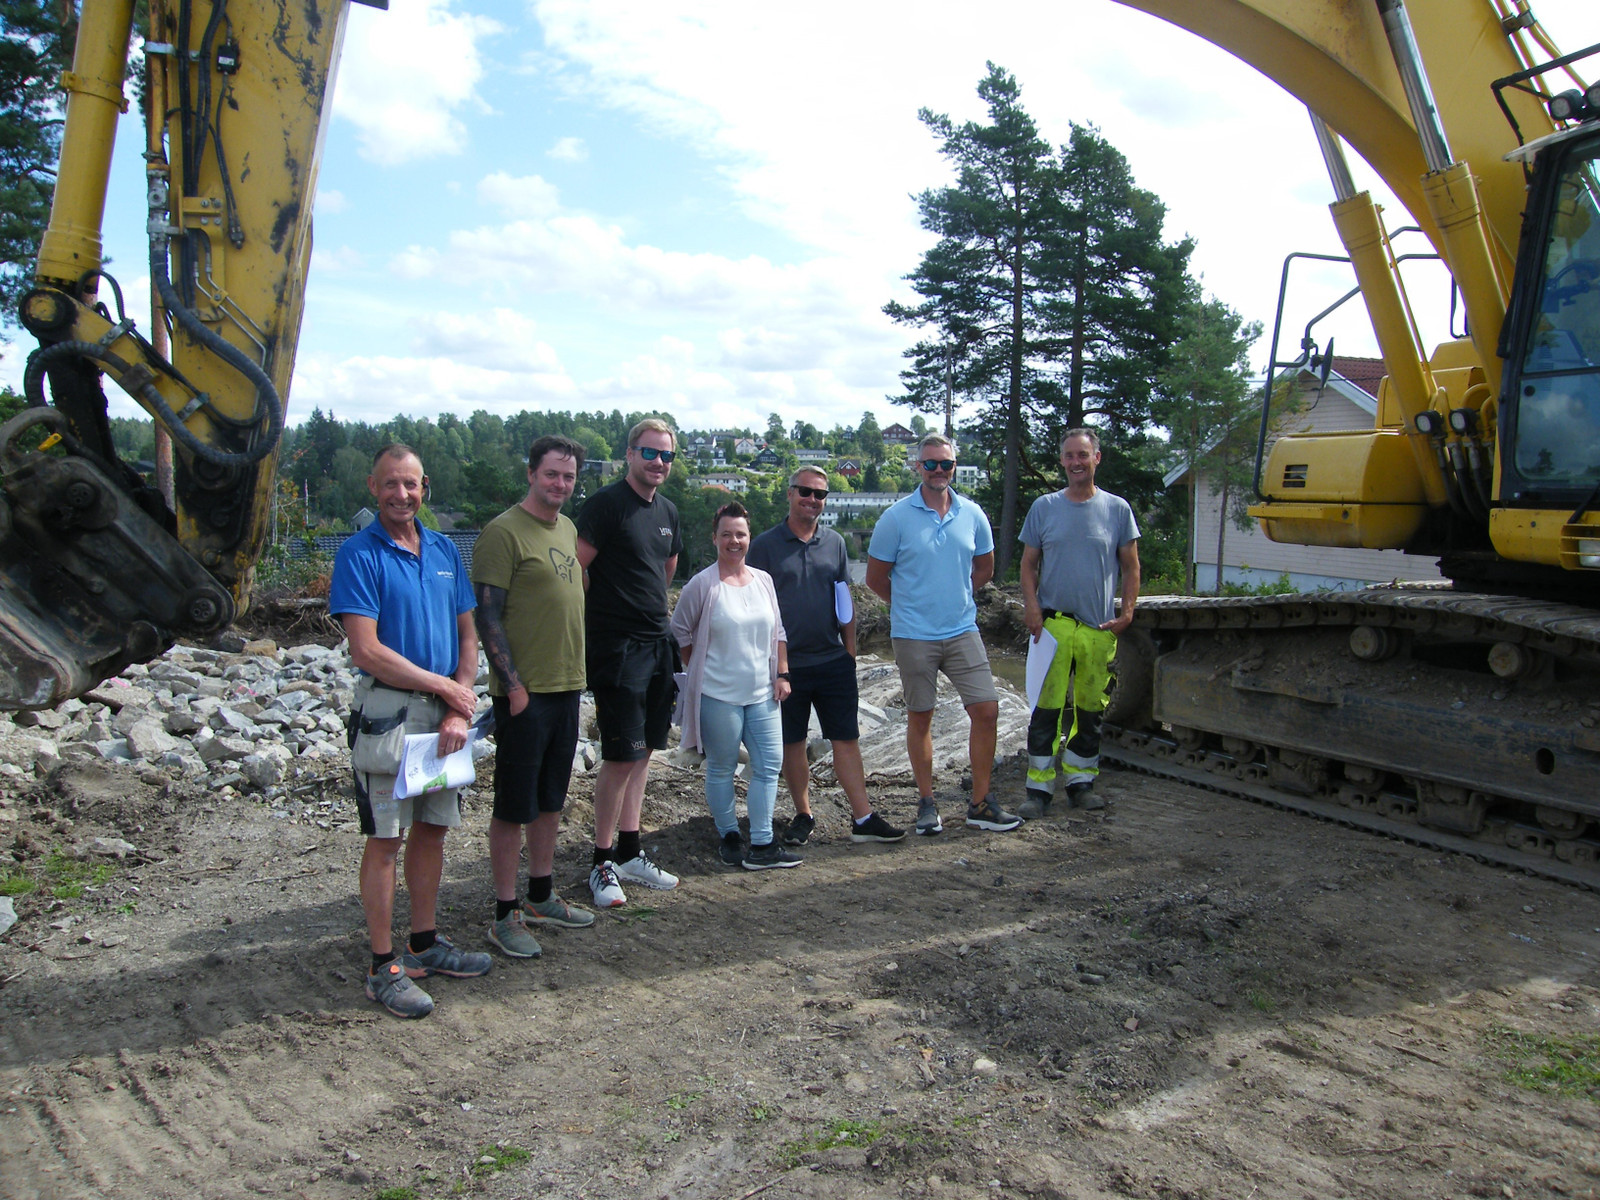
(631, 679)
(533, 755)
(831, 688)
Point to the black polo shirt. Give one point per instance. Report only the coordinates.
(804, 574)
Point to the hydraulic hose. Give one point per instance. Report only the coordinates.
(266, 394)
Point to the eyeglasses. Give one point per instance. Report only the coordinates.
(650, 454)
(938, 464)
(811, 493)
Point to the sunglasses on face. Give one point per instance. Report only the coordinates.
(650, 454)
(938, 464)
(811, 493)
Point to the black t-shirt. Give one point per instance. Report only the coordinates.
(633, 538)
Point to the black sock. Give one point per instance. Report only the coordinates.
(603, 855)
(422, 940)
(627, 845)
(379, 961)
(763, 846)
(503, 908)
(540, 888)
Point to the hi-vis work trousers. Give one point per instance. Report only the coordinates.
(1083, 659)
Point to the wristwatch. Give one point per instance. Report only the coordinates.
(783, 675)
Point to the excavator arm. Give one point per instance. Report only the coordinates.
(96, 571)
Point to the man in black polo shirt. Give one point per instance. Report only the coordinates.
(628, 544)
(806, 562)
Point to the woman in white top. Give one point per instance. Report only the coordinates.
(732, 638)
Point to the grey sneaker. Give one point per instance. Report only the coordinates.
(799, 829)
(770, 856)
(442, 958)
(642, 870)
(928, 822)
(1035, 805)
(1081, 795)
(512, 936)
(731, 849)
(874, 829)
(988, 814)
(556, 911)
(391, 987)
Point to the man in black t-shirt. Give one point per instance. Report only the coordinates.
(628, 545)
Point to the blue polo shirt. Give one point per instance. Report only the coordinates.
(415, 600)
(930, 597)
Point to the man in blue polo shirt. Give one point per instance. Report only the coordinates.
(406, 603)
(929, 552)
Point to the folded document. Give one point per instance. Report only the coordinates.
(422, 770)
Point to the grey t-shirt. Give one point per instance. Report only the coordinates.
(803, 574)
(1079, 541)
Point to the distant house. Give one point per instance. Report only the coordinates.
(848, 467)
(363, 518)
(854, 505)
(605, 468)
(969, 477)
(898, 435)
(812, 456)
(744, 448)
(767, 460)
(728, 481)
(1349, 402)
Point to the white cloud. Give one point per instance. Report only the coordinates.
(331, 202)
(569, 149)
(405, 76)
(528, 196)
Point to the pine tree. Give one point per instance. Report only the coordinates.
(36, 39)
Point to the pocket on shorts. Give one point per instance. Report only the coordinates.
(378, 743)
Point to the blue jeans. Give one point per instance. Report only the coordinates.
(722, 727)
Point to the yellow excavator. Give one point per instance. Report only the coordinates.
(96, 570)
(1468, 715)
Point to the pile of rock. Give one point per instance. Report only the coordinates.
(252, 720)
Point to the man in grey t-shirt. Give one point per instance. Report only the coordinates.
(1076, 544)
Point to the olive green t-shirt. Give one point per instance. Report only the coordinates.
(536, 563)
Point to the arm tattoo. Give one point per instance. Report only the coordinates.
(489, 617)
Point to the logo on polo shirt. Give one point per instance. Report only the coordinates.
(666, 531)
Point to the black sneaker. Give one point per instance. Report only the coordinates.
(1035, 805)
(765, 858)
(875, 829)
(1081, 795)
(799, 829)
(731, 850)
(989, 815)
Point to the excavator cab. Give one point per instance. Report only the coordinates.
(1551, 396)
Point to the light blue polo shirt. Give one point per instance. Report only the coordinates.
(415, 600)
(930, 595)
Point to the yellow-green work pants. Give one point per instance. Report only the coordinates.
(1082, 661)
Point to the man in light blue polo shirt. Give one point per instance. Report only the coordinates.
(406, 603)
(929, 552)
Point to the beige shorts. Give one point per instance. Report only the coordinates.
(963, 660)
(382, 816)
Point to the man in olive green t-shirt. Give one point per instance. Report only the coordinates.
(529, 589)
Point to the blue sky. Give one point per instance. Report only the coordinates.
(568, 204)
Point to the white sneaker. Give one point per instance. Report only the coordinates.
(642, 870)
(607, 891)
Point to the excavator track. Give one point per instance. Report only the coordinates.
(1465, 722)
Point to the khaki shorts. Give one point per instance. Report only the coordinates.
(963, 660)
(382, 816)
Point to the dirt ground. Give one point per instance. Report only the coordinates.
(1188, 996)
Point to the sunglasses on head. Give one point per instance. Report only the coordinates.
(811, 493)
(650, 454)
(938, 464)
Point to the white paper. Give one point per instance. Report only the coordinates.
(1040, 655)
(843, 606)
(681, 678)
(423, 771)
